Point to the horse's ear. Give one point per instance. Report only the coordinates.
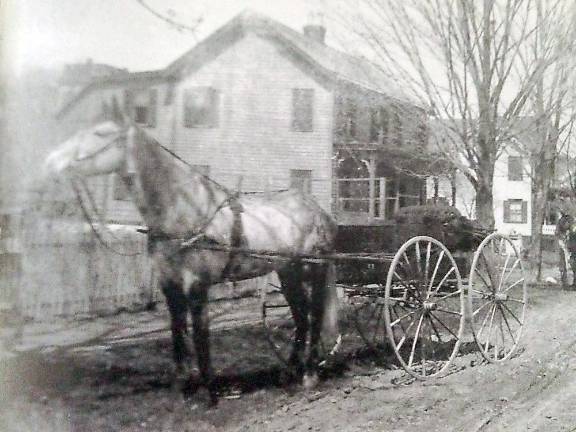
(118, 116)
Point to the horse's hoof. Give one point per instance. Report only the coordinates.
(310, 381)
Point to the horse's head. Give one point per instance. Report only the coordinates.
(100, 149)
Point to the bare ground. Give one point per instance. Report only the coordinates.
(114, 374)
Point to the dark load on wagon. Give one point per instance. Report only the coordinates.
(443, 222)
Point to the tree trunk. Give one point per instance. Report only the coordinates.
(541, 179)
(485, 199)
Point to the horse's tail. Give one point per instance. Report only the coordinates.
(332, 304)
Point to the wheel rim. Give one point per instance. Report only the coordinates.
(366, 314)
(497, 297)
(424, 307)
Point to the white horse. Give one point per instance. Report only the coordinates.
(179, 204)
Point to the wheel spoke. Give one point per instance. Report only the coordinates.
(448, 311)
(484, 321)
(418, 258)
(453, 294)
(435, 329)
(508, 325)
(444, 279)
(481, 307)
(515, 300)
(511, 269)
(429, 290)
(427, 264)
(444, 325)
(411, 359)
(486, 283)
(503, 271)
(487, 345)
(512, 313)
(403, 339)
(514, 284)
(392, 324)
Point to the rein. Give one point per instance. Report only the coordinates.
(100, 150)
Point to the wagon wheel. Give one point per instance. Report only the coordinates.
(424, 307)
(366, 315)
(497, 297)
(280, 329)
(278, 324)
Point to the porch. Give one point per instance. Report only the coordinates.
(372, 182)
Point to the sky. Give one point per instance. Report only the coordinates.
(49, 33)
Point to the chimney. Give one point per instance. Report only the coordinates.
(315, 29)
(316, 32)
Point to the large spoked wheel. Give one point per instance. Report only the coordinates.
(366, 315)
(424, 307)
(497, 297)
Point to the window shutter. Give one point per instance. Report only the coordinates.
(303, 110)
(152, 104)
(506, 211)
(524, 212)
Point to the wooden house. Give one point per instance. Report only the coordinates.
(260, 106)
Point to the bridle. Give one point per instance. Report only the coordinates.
(81, 189)
(121, 137)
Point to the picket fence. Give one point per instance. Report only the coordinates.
(67, 272)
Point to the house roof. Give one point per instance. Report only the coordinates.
(336, 64)
(114, 80)
(321, 59)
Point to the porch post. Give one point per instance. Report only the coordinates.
(372, 185)
(382, 210)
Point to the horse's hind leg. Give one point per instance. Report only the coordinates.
(178, 308)
(291, 281)
(198, 298)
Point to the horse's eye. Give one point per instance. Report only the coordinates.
(101, 134)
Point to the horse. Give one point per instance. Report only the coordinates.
(185, 210)
(562, 232)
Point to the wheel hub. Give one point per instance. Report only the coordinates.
(429, 306)
(501, 297)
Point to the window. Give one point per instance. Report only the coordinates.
(515, 168)
(201, 105)
(303, 110)
(141, 104)
(515, 211)
(378, 124)
(301, 180)
(121, 188)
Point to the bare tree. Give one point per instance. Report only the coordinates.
(550, 105)
(169, 18)
(461, 58)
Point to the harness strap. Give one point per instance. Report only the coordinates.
(237, 239)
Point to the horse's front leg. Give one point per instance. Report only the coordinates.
(178, 308)
(198, 299)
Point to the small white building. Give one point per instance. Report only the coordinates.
(512, 185)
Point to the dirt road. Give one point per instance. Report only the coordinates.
(121, 381)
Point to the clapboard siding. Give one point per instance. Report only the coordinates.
(254, 138)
